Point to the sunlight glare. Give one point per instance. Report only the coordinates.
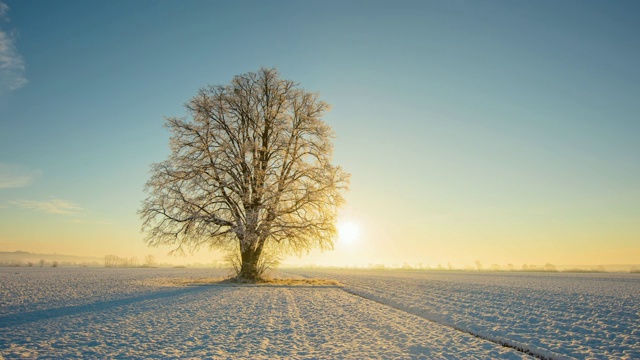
(348, 232)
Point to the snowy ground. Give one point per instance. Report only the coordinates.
(115, 313)
(135, 313)
(557, 315)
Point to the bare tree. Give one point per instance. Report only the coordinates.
(478, 265)
(111, 261)
(149, 261)
(249, 167)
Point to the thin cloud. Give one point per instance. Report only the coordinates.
(93, 222)
(4, 10)
(16, 176)
(12, 68)
(54, 206)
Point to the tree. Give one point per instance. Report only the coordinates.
(149, 261)
(478, 265)
(111, 261)
(249, 171)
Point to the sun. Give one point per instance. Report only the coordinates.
(348, 232)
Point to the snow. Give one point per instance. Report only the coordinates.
(169, 313)
(556, 315)
(132, 313)
(26, 290)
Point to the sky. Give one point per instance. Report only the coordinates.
(491, 131)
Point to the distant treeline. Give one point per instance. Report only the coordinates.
(550, 268)
(45, 263)
(24, 258)
(28, 259)
(478, 267)
(111, 261)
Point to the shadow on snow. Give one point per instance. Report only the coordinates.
(12, 320)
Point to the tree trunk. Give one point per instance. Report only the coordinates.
(249, 268)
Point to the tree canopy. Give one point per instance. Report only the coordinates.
(249, 170)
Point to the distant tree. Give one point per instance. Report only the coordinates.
(249, 171)
(131, 262)
(54, 264)
(149, 261)
(549, 267)
(111, 261)
(42, 262)
(116, 261)
(478, 265)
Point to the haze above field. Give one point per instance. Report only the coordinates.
(497, 131)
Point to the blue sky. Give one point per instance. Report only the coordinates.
(499, 131)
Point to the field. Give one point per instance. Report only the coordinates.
(169, 313)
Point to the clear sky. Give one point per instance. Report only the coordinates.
(498, 131)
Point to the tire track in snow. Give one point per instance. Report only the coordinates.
(537, 353)
(297, 321)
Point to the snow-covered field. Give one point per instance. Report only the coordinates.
(557, 315)
(141, 313)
